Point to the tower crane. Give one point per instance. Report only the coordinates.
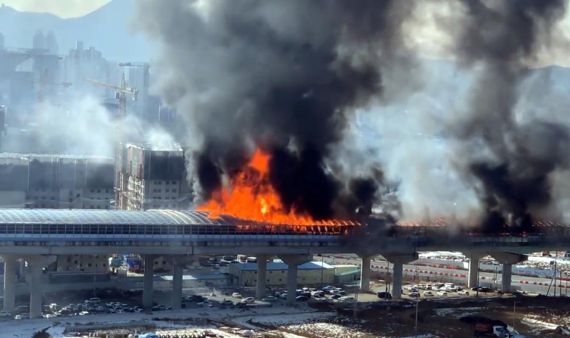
(122, 92)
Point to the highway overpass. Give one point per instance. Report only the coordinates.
(35, 235)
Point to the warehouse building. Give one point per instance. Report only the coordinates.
(311, 273)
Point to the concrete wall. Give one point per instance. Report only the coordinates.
(82, 263)
(279, 277)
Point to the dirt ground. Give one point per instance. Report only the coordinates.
(532, 316)
(528, 315)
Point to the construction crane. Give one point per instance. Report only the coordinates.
(122, 92)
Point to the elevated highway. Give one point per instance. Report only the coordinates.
(37, 235)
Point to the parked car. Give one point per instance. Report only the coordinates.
(302, 298)
(414, 294)
(442, 293)
(384, 295)
(428, 294)
(269, 299)
(248, 300)
(148, 335)
(236, 295)
(318, 294)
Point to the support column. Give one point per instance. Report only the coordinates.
(507, 259)
(398, 272)
(36, 291)
(148, 280)
(261, 276)
(293, 261)
(365, 274)
(398, 260)
(9, 283)
(473, 277)
(291, 283)
(506, 277)
(177, 276)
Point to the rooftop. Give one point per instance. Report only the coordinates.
(280, 265)
(109, 217)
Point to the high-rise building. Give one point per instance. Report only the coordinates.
(150, 178)
(82, 64)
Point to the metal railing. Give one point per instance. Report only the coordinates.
(153, 229)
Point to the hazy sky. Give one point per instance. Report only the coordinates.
(62, 8)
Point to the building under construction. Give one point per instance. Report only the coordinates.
(151, 178)
(55, 181)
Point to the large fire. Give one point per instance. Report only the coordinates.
(251, 196)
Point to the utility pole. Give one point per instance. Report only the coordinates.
(416, 325)
(322, 270)
(514, 312)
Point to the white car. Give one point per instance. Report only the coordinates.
(248, 300)
(428, 294)
(442, 293)
(236, 295)
(347, 299)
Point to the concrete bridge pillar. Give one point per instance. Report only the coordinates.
(365, 273)
(148, 282)
(398, 261)
(507, 275)
(177, 279)
(178, 263)
(397, 276)
(473, 269)
(261, 276)
(507, 259)
(36, 264)
(10, 266)
(293, 261)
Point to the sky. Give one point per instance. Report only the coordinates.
(61, 8)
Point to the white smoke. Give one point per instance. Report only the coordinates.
(82, 126)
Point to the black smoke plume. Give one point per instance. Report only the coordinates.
(499, 39)
(281, 75)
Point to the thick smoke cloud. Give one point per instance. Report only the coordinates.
(330, 90)
(282, 75)
(510, 158)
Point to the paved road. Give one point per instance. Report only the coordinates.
(458, 276)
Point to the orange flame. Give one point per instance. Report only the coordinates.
(252, 197)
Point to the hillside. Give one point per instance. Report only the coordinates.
(108, 29)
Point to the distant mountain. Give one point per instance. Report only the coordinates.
(108, 29)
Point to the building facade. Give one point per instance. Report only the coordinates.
(59, 182)
(55, 181)
(310, 274)
(149, 178)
